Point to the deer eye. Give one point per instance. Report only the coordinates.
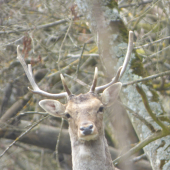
(67, 115)
(101, 108)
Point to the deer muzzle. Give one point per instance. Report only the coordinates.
(87, 131)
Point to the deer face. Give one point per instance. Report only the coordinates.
(83, 112)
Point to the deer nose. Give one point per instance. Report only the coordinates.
(87, 130)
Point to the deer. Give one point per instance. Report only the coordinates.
(84, 113)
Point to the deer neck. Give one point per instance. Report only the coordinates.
(91, 155)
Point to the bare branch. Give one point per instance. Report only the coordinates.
(147, 78)
(140, 145)
(84, 55)
(35, 28)
(15, 108)
(59, 58)
(24, 133)
(135, 4)
(142, 119)
(150, 43)
(80, 58)
(149, 110)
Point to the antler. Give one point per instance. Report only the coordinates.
(36, 89)
(121, 69)
(93, 86)
(65, 85)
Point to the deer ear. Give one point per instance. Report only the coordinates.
(110, 94)
(53, 107)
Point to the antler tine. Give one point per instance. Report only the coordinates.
(114, 80)
(36, 89)
(93, 86)
(121, 69)
(128, 53)
(65, 85)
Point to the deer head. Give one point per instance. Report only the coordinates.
(84, 113)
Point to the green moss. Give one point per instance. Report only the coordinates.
(123, 31)
(155, 96)
(167, 85)
(154, 27)
(137, 66)
(109, 138)
(112, 4)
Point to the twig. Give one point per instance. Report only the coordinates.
(86, 62)
(152, 55)
(128, 83)
(36, 28)
(164, 117)
(74, 43)
(140, 145)
(143, 14)
(84, 55)
(78, 81)
(141, 119)
(42, 157)
(81, 55)
(32, 39)
(63, 69)
(135, 4)
(18, 138)
(36, 150)
(57, 145)
(148, 44)
(59, 58)
(32, 112)
(15, 108)
(147, 78)
(138, 158)
(149, 110)
(14, 42)
(11, 119)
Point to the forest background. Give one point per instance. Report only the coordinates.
(73, 37)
